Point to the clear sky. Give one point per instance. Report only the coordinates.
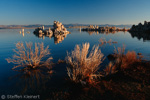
(22, 12)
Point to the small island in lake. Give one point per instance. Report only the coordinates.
(103, 29)
(59, 32)
(141, 28)
(141, 31)
(58, 29)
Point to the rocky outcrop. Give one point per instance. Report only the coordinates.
(141, 31)
(102, 29)
(40, 32)
(59, 32)
(58, 27)
(141, 28)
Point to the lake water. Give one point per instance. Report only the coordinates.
(9, 37)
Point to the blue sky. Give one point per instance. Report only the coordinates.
(22, 12)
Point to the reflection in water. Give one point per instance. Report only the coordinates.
(80, 29)
(58, 38)
(23, 34)
(28, 32)
(102, 32)
(32, 80)
(103, 41)
(139, 35)
(25, 79)
(92, 32)
(22, 31)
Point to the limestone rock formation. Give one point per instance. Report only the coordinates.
(59, 32)
(59, 28)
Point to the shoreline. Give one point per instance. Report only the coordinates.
(21, 28)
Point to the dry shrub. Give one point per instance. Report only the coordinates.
(124, 60)
(31, 80)
(82, 64)
(119, 54)
(28, 57)
(131, 56)
(120, 51)
(110, 69)
(35, 71)
(129, 59)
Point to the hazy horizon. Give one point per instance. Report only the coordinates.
(116, 12)
(66, 24)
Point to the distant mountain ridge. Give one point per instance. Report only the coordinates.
(66, 25)
(22, 26)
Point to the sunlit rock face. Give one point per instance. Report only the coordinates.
(59, 28)
(59, 32)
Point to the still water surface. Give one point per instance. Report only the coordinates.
(58, 49)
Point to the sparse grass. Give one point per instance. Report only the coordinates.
(82, 64)
(110, 69)
(128, 59)
(120, 51)
(27, 57)
(119, 54)
(122, 60)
